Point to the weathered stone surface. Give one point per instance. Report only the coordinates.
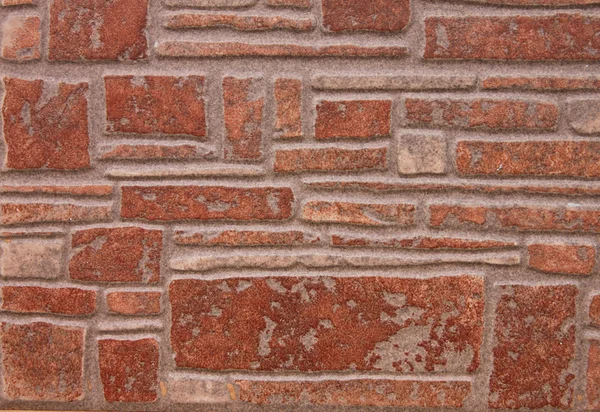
(359, 213)
(129, 369)
(153, 152)
(517, 218)
(21, 38)
(541, 83)
(42, 361)
(584, 116)
(320, 261)
(311, 324)
(593, 376)
(330, 159)
(164, 203)
(244, 100)
(534, 347)
(360, 392)
(375, 15)
(353, 119)
(404, 82)
(98, 30)
(564, 259)
(533, 158)
(241, 23)
(29, 213)
(238, 238)
(288, 98)
(188, 390)
(30, 259)
(75, 190)
(482, 114)
(134, 303)
(594, 312)
(124, 254)
(418, 154)
(236, 49)
(45, 124)
(155, 104)
(34, 299)
(422, 242)
(536, 38)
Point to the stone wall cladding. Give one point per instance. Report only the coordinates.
(232, 205)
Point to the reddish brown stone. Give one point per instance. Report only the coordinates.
(244, 101)
(166, 203)
(359, 213)
(21, 38)
(593, 376)
(312, 324)
(84, 190)
(288, 98)
(375, 186)
(565, 259)
(15, 2)
(483, 114)
(557, 37)
(534, 347)
(520, 218)
(543, 3)
(42, 361)
(33, 299)
(353, 119)
(157, 152)
(155, 104)
(360, 392)
(45, 124)
(330, 159)
(234, 49)
(129, 369)
(134, 303)
(242, 23)
(247, 238)
(98, 30)
(374, 15)
(301, 4)
(540, 158)
(123, 254)
(541, 83)
(595, 310)
(419, 243)
(25, 213)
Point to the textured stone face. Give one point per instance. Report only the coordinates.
(534, 347)
(353, 119)
(21, 38)
(45, 124)
(310, 324)
(30, 259)
(558, 158)
(155, 104)
(32, 299)
(376, 15)
(127, 254)
(566, 259)
(98, 30)
(128, 369)
(555, 37)
(42, 361)
(330, 159)
(165, 203)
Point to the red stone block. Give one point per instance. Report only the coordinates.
(534, 347)
(353, 119)
(165, 203)
(328, 324)
(124, 254)
(134, 303)
(129, 369)
(45, 124)
(155, 104)
(563, 259)
(83, 30)
(374, 15)
(34, 299)
(42, 361)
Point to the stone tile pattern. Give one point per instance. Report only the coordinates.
(216, 204)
